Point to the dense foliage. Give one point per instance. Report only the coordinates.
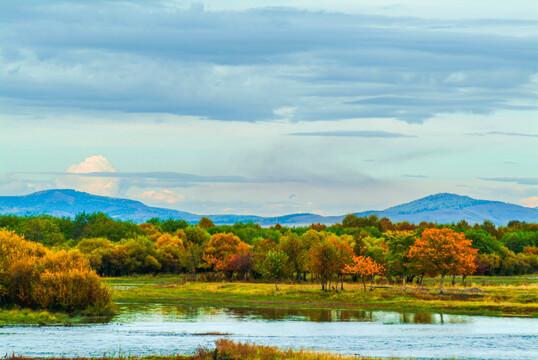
(359, 248)
(33, 276)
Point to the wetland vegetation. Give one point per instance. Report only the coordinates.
(362, 270)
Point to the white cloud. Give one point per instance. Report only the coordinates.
(163, 196)
(97, 163)
(105, 186)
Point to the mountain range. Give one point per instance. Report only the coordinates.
(439, 208)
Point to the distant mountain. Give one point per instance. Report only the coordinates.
(65, 202)
(439, 208)
(451, 208)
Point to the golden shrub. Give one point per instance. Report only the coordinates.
(33, 276)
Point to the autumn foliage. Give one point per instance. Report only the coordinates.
(443, 252)
(33, 276)
(364, 268)
(405, 253)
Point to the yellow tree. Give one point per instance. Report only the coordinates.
(442, 252)
(220, 249)
(170, 251)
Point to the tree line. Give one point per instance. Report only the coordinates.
(360, 248)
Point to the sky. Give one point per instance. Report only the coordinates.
(270, 107)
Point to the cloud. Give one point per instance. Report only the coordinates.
(531, 202)
(415, 176)
(164, 196)
(92, 164)
(503, 133)
(357, 133)
(166, 176)
(296, 65)
(88, 176)
(521, 181)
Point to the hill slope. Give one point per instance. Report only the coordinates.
(440, 208)
(447, 208)
(65, 202)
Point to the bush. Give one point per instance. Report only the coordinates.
(33, 276)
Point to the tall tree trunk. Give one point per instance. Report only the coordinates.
(441, 284)
(372, 282)
(364, 283)
(453, 280)
(404, 280)
(276, 284)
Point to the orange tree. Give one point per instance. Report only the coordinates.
(206, 223)
(364, 268)
(443, 252)
(221, 248)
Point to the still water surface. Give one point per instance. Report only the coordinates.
(166, 329)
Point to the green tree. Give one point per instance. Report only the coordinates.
(274, 266)
(42, 230)
(291, 245)
(483, 241)
(197, 235)
(518, 240)
(398, 261)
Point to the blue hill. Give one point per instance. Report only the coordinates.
(447, 208)
(439, 208)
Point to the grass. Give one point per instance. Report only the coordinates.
(481, 295)
(34, 317)
(29, 317)
(492, 296)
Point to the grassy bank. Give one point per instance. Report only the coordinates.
(29, 317)
(34, 317)
(492, 296)
(229, 350)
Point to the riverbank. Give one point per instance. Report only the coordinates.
(34, 317)
(29, 317)
(487, 296)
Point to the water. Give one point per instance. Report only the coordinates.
(165, 329)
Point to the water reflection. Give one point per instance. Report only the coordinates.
(166, 312)
(143, 330)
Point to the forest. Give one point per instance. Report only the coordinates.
(63, 252)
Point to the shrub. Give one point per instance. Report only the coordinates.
(33, 276)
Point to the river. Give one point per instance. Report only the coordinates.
(166, 329)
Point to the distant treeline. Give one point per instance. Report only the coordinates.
(358, 248)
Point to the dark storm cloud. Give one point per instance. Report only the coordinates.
(244, 65)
